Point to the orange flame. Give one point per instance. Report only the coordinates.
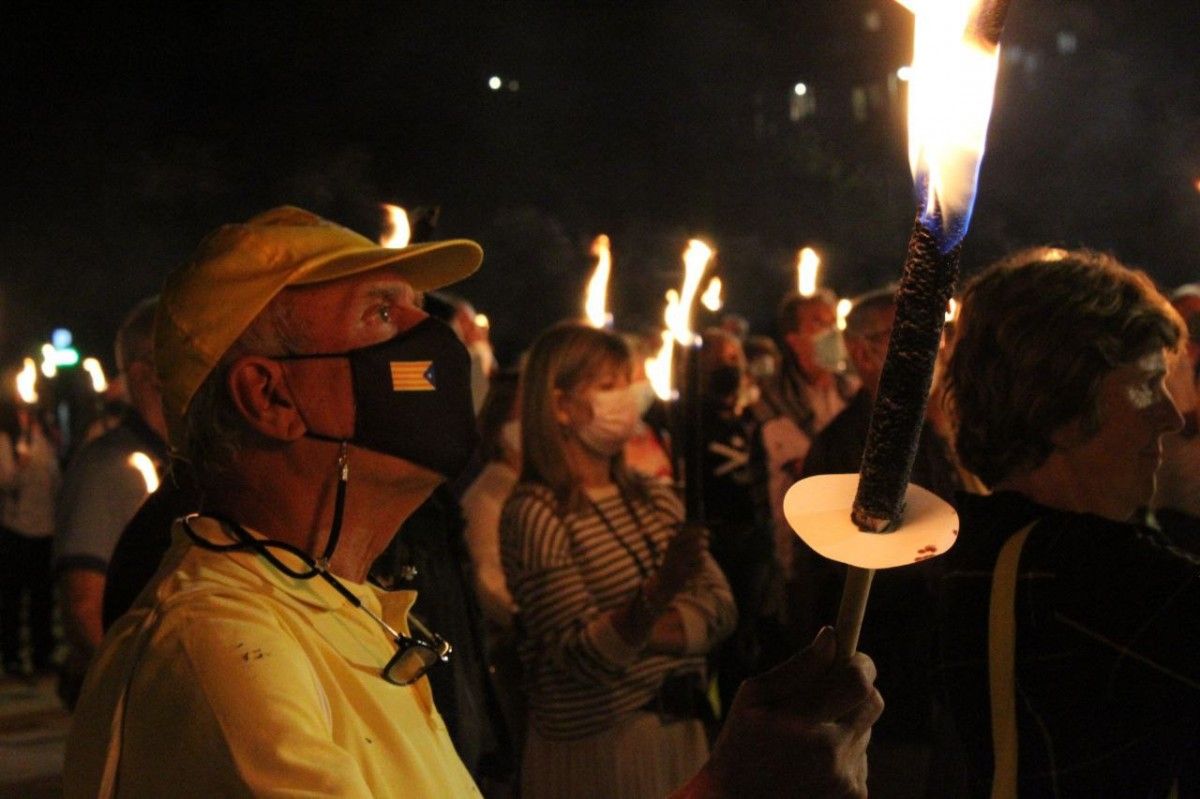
(658, 368)
(950, 91)
(145, 466)
(679, 314)
(808, 263)
(843, 310)
(711, 298)
(595, 303)
(27, 382)
(96, 372)
(397, 231)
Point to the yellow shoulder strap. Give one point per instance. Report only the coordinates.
(1002, 641)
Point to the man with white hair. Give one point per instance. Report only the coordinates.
(319, 407)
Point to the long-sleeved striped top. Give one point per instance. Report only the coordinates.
(566, 572)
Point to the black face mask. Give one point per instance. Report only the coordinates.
(412, 398)
(723, 382)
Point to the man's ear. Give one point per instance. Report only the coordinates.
(260, 391)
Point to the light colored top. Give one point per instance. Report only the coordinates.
(30, 488)
(786, 446)
(567, 572)
(101, 492)
(481, 504)
(240, 681)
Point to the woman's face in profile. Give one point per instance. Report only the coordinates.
(1113, 469)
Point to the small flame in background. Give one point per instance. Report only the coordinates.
(950, 91)
(711, 298)
(96, 372)
(27, 382)
(952, 310)
(678, 318)
(595, 303)
(843, 310)
(49, 361)
(808, 264)
(397, 231)
(482, 321)
(679, 315)
(142, 462)
(658, 368)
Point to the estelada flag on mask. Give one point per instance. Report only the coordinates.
(413, 376)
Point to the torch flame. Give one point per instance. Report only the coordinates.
(808, 263)
(596, 300)
(952, 310)
(658, 368)
(397, 231)
(679, 313)
(96, 372)
(950, 94)
(142, 462)
(27, 382)
(711, 298)
(843, 310)
(49, 362)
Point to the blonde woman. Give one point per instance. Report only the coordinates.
(619, 602)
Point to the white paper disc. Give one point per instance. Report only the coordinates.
(818, 510)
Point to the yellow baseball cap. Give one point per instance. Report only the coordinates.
(238, 269)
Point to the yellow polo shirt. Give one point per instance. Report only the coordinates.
(229, 678)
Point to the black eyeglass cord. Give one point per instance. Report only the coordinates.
(637, 521)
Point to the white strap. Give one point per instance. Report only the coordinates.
(1002, 642)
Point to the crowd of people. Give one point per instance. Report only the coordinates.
(334, 440)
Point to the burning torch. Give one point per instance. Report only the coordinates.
(689, 454)
(27, 392)
(890, 523)
(595, 304)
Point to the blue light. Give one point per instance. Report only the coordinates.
(61, 338)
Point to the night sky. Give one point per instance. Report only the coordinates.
(131, 132)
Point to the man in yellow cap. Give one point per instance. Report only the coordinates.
(319, 406)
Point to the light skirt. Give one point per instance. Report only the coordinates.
(642, 757)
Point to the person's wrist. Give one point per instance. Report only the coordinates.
(653, 598)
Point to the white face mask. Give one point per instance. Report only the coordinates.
(828, 350)
(645, 396)
(510, 436)
(615, 417)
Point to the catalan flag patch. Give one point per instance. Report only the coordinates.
(413, 376)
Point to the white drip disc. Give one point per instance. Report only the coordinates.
(818, 510)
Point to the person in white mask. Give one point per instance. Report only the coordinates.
(619, 603)
(500, 449)
(810, 389)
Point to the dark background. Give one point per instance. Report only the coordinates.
(131, 131)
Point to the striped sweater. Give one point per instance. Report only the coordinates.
(566, 573)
